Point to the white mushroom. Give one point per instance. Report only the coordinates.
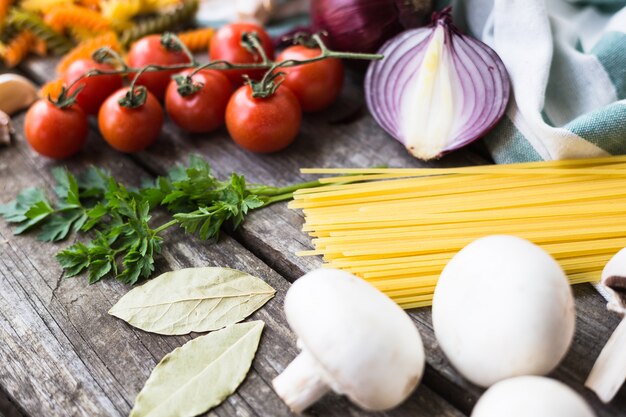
(531, 396)
(609, 371)
(355, 341)
(502, 308)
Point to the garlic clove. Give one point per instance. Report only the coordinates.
(6, 130)
(614, 282)
(609, 372)
(16, 93)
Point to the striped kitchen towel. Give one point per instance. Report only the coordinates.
(567, 63)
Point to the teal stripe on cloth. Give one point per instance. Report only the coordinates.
(605, 128)
(618, 3)
(611, 52)
(507, 145)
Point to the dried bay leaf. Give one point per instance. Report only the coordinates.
(200, 374)
(193, 300)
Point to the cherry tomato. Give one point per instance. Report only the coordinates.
(317, 84)
(226, 45)
(130, 130)
(148, 50)
(263, 124)
(204, 110)
(54, 132)
(96, 89)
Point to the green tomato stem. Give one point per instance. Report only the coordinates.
(220, 65)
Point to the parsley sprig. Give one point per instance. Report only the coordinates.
(124, 241)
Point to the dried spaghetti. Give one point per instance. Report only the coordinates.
(397, 228)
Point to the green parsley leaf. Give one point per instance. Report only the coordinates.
(125, 244)
(60, 225)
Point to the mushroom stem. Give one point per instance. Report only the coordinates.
(301, 384)
(609, 371)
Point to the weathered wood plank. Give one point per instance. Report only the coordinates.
(274, 233)
(115, 359)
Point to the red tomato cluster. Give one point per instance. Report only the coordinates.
(257, 124)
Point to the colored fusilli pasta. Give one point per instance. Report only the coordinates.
(162, 23)
(87, 47)
(43, 6)
(64, 17)
(197, 40)
(4, 11)
(17, 49)
(23, 20)
(51, 89)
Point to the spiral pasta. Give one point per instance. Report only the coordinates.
(87, 47)
(61, 18)
(39, 47)
(4, 11)
(81, 34)
(43, 6)
(120, 12)
(197, 40)
(161, 23)
(90, 4)
(51, 89)
(22, 20)
(17, 49)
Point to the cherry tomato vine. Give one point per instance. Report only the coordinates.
(256, 120)
(250, 40)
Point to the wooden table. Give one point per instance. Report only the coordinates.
(61, 354)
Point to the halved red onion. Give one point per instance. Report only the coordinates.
(437, 89)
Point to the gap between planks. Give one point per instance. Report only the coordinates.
(314, 148)
(327, 407)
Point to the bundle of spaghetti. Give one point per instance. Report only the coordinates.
(71, 16)
(198, 39)
(17, 49)
(397, 228)
(86, 48)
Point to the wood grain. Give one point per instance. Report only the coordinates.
(273, 235)
(65, 356)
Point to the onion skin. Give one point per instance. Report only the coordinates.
(364, 25)
(437, 89)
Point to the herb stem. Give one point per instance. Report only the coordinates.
(165, 226)
(275, 191)
(275, 199)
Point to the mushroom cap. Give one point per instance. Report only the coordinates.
(531, 396)
(366, 345)
(503, 308)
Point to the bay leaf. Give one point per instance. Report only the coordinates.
(200, 374)
(193, 300)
